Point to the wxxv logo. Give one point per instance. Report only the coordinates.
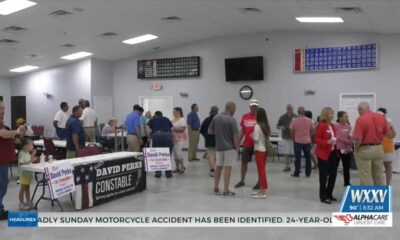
(365, 206)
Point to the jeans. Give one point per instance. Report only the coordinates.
(3, 184)
(306, 148)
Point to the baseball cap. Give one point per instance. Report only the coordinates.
(253, 102)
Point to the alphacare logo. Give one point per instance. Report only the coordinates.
(346, 218)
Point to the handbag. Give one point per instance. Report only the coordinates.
(271, 149)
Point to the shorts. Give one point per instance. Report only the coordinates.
(226, 158)
(287, 146)
(247, 154)
(211, 152)
(389, 157)
(25, 179)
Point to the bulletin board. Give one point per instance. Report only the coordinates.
(351, 57)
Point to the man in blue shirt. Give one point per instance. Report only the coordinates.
(161, 136)
(193, 123)
(75, 134)
(132, 124)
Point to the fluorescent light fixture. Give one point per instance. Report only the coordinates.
(24, 69)
(12, 6)
(140, 39)
(77, 55)
(320, 19)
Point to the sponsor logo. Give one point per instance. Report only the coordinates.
(346, 218)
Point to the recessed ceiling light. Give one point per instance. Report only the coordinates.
(320, 19)
(12, 6)
(140, 39)
(24, 69)
(77, 55)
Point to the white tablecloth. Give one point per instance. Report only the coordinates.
(39, 167)
(60, 143)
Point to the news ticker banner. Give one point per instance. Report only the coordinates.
(228, 219)
(362, 206)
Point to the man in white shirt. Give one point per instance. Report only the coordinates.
(89, 121)
(60, 119)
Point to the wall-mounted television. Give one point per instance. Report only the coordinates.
(244, 69)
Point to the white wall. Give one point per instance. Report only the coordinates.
(281, 85)
(68, 83)
(5, 88)
(101, 78)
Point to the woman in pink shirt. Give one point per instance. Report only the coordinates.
(344, 144)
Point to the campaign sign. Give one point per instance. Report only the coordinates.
(104, 181)
(157, 159)
(22, 219)
(60, 179)
(367, 199)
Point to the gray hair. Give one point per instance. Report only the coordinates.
(364, 105)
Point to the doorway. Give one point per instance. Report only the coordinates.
(349, 103)
(163, 104)
(18, 109)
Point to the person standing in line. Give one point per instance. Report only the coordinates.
(161, 135)
(260, 136)
(313, 157)
(246, 129)
(193, 123)
(180, 137)
(89, 121)
(301, 131)
(369, 131)
(81, 103)
(388, 148)
(327, 154)
(344, 144)
(60, 119)
(283, 124)
(132, 124)
(75, 134)
(209, 139)
(227, 143)
(143, 130)
(7, 156)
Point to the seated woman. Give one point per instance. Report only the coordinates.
(108, 130)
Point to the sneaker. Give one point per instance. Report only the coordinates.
(30, 205)
(23, 207)
(4, 215)
(211, 174)
(228, 194)
(256, 187)
(216, 191)
(286, 169)
(255, 193)
(239, 184)
(295, 175)
(260, 196)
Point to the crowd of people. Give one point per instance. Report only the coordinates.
(323, 143)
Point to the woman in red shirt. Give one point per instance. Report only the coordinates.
(327, 154)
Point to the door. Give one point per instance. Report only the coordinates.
(18, 109)
(163, 104)
(349, 103)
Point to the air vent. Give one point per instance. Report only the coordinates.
(171, 19)
(8, 42)
(14, 29)
(108, 35)
(348, 10)
(250, 10)
(68, 45)
(60, 13)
